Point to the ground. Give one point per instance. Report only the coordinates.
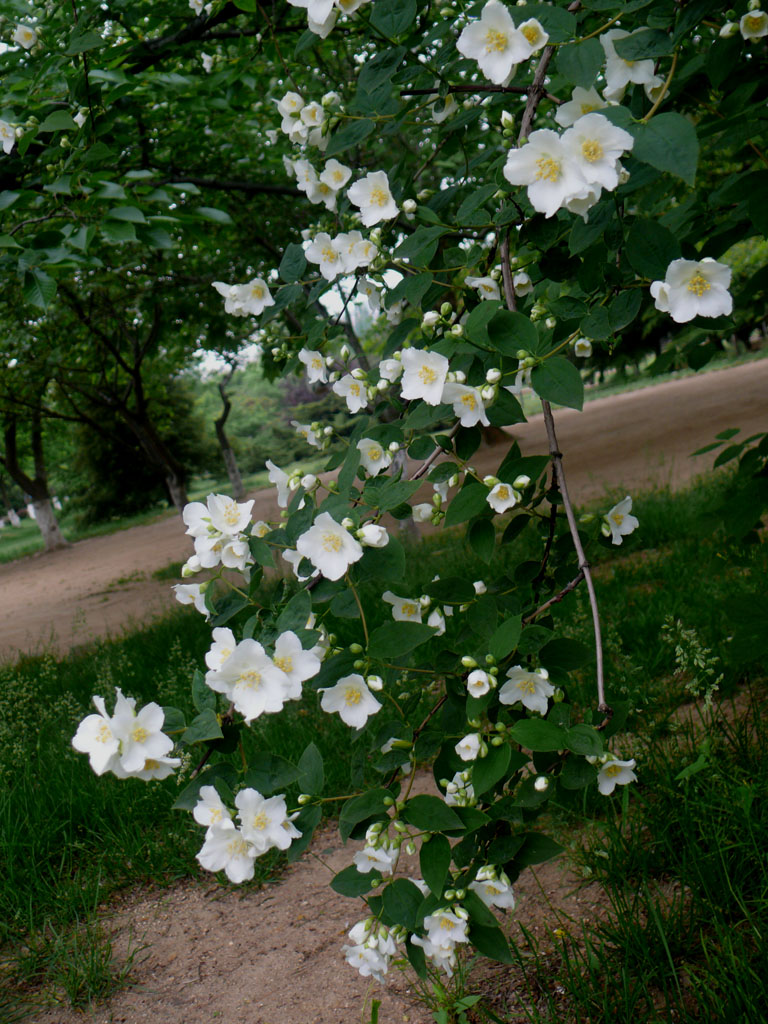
(274, 957)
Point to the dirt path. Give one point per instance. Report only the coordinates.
(274, 957)
(625, 442)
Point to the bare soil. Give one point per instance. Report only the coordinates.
(213, 954)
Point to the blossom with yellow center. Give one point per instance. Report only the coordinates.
(694, 288)
(351, 699)
(531, 689)
(424, 374)
(373, 197)
(329, 547)
(497, 44)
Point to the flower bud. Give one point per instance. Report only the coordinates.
(493, 376)
(457, 330)
(400, 826)
(490, 481)
(344, 353)
(425, 600)
(521, 482)
(410, 848)
(550, 323)
(304, 798)
(522, 353)
(507, 120)
(355, 649)
(375, 683)
(430, 319)
(446, 309)
(333, 376)
(541, 784)
(357, 373)
(309, 481)
(450, 894)
(410, 206)
(388, 801)
(488, 393)
(468, 662)
(459, 376)
(461, 894)
(347, 523)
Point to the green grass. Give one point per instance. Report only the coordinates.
(69, 839)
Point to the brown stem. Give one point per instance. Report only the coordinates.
(556, 599)
(425, 465)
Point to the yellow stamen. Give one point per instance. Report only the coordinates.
(699, 284)
(495, 40)
(260, 821)
(286, 663)
(592, 150)
(527, 685)
(427, 375)
(548, 168)
(611, 770)
(352, 695)
(332, 542)
(409, 609)
(531, 33)
(469, 400)
(251, 679)
(140, 734)
(379, 197)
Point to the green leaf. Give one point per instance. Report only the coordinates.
(435, 860)
(431, 814)
(359, 808)
(188, 797)
(350, 135)
(261, 552)
(565, 653)
(293, 264)
(118, 232)
(79, 42)
(58, 121)
(651, 248)
(537, 735)
(577, 774)
(228, 608)
(306, 823)
(476, 326)
(352, 883)
(312, 774)
(393, 17)
(669, 143)
(579, 63)
(173, 720)
(597, 325)
(536, 849)
(488, 770)
(509, 332)
(387, 563)
(132, 214)
(202, 696)
(7, 242)
(212, 214)
(584, 739)
(647, 42)
(395, 639)
(202, 728)
(402, 900)
(470, 501)
(421, 239)
(624, 308)
(417, 959)
(38, 288)
(558, 380)
(482, 539)
(451, 590)
(490, 942)
(296, 613)
(506, 637)
(269, 773)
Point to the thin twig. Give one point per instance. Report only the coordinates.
(556, 599)
(476, 88)
(425, 465)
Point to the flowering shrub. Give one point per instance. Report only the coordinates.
(495, 231)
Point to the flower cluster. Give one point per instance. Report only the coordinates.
(569, 170)
(620, 73)
(446, 929)
(249, 299)
(324, 187)
(128, 743)
(322, 15)
(342, 254)
(264, 825)
(302, 122)
(373, 946)
(218, 529)
(497, 44)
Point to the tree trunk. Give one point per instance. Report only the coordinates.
(36, 486)
(230, 460)
(45, 517)
(177, 491)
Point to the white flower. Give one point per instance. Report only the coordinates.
(329, 547)
(290, 105)
(228, 516)
(467, 404)
(192, 593)
(265, 822)
(582, 101)
(502, 497)
(448, 106)
(424, 375)
(753, 25)
(281, 480)
(315, 364)
(323, 251)
(373, 457)
(251, 680)
(615, 773)
(96, 738)
(390, 369)
(486, 287)
(437, 621)
(468, 748)
(445, 927)
(223, 644)
(404, 609)
(313, 115)
(444, 957)
(619, 72)
(297, 664)
(522, 284)
(373, 536)
(245, 299)
(210, 810)
(335, 175)
(353, 391)
(27, 37)
(478, 683)
(372, 196)
(532, 689)
(493, 892)
(423, 512)
(294, 558)
(352, 699)
(595, 146)
(619, 520)
(367, 960)
(226, 849)
(548, 171)
(325, 27)
(305, 431)
(497, 44)
(7, 136)
(371, 291)
(80, 117)
(207, 62)
(582, 347)
(375, 858)
(694, 288)
(459, 792)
